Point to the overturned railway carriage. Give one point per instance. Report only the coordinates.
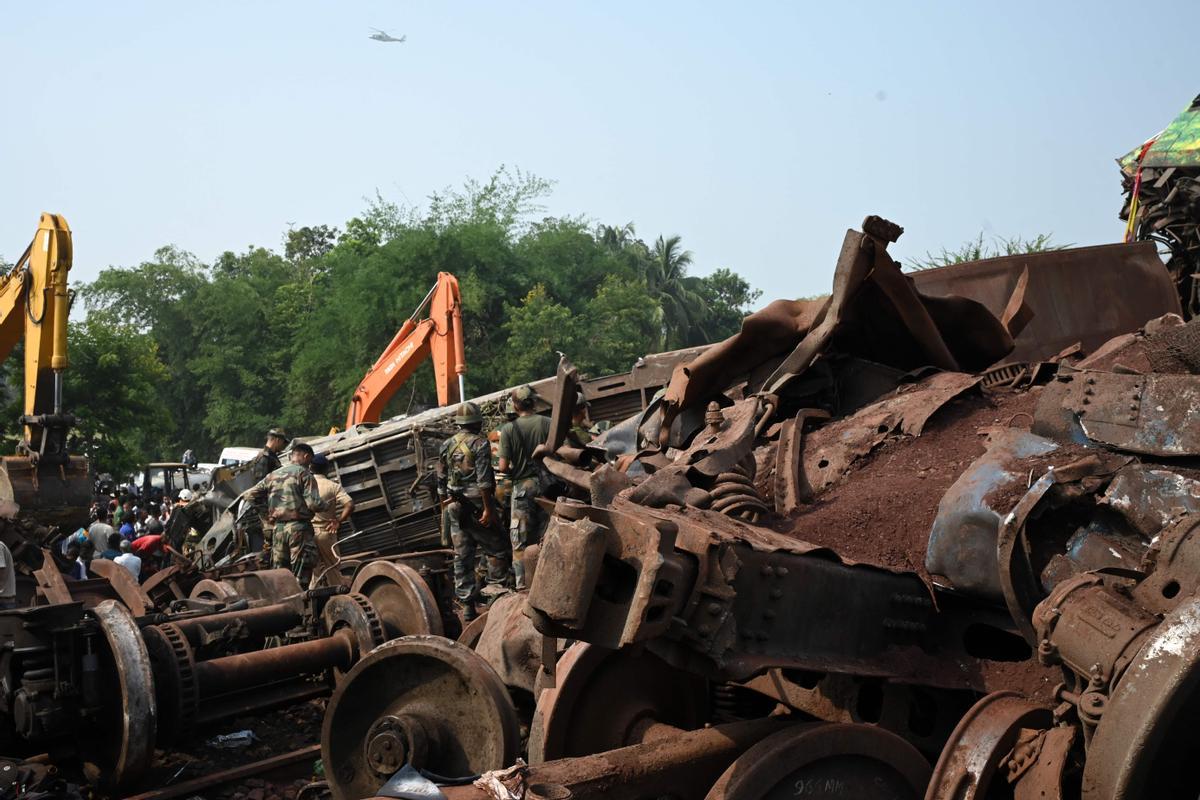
(388, 469)
(851, 576)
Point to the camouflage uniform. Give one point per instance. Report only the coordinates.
(526, 521)
(464, 473)
(292, 500)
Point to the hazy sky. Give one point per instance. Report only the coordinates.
(757, 131)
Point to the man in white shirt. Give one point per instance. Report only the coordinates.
(99, 532)
(128, 560)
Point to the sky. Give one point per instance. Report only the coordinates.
(758, 132)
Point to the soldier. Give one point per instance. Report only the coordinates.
(263, 464)
(326, 523)
(517, 442)
(267, 460)
(466, 486)
(292, 501)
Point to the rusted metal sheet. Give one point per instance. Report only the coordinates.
(962, 543)
(1084, 294)
(1155, 415)
(830, 450)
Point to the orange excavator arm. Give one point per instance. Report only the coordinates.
(439, 336)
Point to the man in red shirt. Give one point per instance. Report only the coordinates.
(147, 546)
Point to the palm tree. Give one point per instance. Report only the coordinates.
(667, 281)
(616, 237)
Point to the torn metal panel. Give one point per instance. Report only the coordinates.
(1151, 499)
(962, 542)
(1066, 287)
(1156, 415)
(829, 451)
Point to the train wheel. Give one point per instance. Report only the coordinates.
(822, 760)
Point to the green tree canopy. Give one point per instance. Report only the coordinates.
(259, 338)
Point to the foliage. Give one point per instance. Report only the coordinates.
(113, 386)
(259, 338)
(979, 248)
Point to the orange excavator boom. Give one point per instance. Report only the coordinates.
(439, 336)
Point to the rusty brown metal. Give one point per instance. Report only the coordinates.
(510, 644)
(422, 700)
(1045, 767)
(242, 670)
(125, 585)
(1065, 289)
(826, 759)
(600, 695)
(791, 485)
(978, 749)
(684, 765)
(405, 604)
(252, 624)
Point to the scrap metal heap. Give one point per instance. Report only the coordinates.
(103, 671)
(898, 543)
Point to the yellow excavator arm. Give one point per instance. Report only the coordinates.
(34, 306)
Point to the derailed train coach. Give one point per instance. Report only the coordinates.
(927, 537)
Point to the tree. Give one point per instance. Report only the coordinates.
(675, 292)
(538, 329)
(258, 337)
(114, 386)
(309, 244)
(978, 248)
(728, 298)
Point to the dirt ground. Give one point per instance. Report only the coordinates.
(880, 512)
(277, 732)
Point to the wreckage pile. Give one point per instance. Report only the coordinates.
(928, 537)
(858, 550)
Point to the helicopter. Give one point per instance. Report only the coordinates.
(384, 36)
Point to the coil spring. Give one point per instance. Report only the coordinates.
(733, 703)
(37, 666)
(734, 494)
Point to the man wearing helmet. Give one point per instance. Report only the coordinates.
(466, 487)
(292, 500)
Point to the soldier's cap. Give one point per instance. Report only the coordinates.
(302, 447)
(279, 433)
(523, 396)
(466, 414)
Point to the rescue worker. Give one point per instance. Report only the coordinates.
(263, 464)
(292, 501)
(517, 442)
(267, 460)
(466, 486)
(503, 483)
(326, 523)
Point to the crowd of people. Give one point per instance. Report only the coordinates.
(127, 534)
